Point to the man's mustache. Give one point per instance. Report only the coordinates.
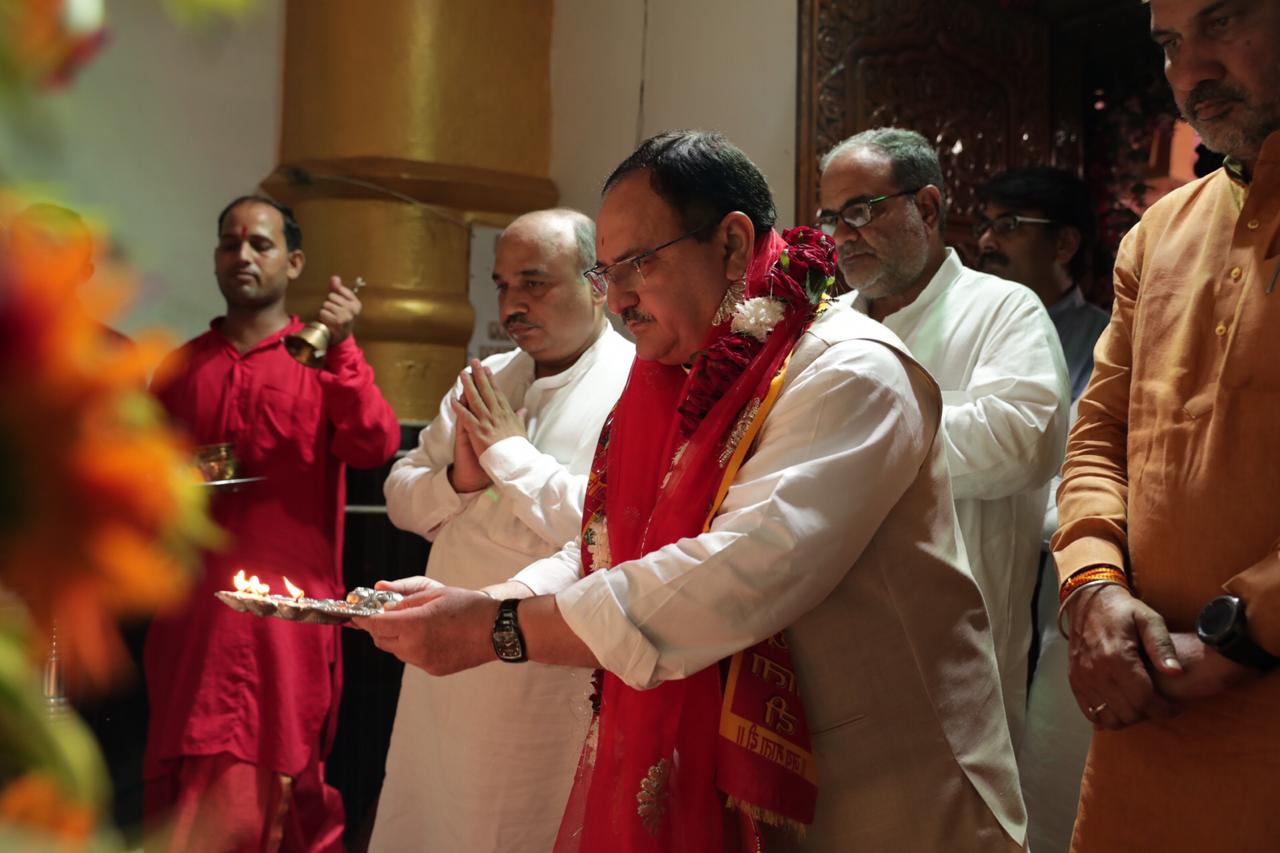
(987, 259)
(635, 315)
(844, 257)
(519, 319)
(1209, 90)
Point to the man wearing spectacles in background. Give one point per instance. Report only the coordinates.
(1037, 228)
(990, 345)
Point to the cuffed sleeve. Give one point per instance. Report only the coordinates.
(544, 494)
(555, 573)
(594, 608)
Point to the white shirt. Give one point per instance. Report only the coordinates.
(846, 453)
(483, 760)
(994, 351)
(1056, 742)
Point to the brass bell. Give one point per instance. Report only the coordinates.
(309, 344)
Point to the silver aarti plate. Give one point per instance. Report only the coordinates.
(316, 611)
(225, 484)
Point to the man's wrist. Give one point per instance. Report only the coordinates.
(339, 350)
(491, 617)
(1088, 576)
(464, 487)
(1223, 627)
(1080, 596)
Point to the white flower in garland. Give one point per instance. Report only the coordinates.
(757, 317)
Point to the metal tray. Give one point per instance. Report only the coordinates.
(315, 611)
(231, 484)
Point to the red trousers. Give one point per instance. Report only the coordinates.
(219, 804)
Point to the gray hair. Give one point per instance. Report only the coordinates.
(584, 234)
(583, 228)
(913, 161)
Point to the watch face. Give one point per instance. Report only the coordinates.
(507, 645)
(1218, 618)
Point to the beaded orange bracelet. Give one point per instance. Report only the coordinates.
(1093, 574)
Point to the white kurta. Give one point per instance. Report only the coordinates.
(1056, 742)
(482, 761)
(893, 655)
(994, 351)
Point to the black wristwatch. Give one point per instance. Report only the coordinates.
(1221, 626)
(508, 641)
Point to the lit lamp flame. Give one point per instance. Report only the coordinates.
(252, 586)
(293, 590)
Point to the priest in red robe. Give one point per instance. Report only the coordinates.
(243, 709)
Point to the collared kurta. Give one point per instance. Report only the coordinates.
(993, 350)
(219, 681)
(482, 761)
(1173, 469)
(839, 528)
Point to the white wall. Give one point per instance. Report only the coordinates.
(160, 130)
(165, 125)
(727, 65)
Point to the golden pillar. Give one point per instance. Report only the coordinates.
(404, 121)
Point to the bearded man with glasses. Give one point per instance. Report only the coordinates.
(990, 345)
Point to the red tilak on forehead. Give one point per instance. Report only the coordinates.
(244, 232)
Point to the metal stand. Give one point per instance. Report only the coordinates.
(55, 693)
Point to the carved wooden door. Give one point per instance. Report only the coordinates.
(971, 75)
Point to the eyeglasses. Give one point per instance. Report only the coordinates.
(1006, 223)
(622, 273)
(855, 214)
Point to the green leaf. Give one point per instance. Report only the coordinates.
(816, 284)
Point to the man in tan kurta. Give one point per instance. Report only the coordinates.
(1173, 473)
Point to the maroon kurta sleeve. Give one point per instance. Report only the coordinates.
(366, 432)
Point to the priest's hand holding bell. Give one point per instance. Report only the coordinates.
(332, 326)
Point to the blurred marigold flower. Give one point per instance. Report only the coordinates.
(100, 510)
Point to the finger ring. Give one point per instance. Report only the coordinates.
(1095, 710)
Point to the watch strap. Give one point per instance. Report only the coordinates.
(508, 639)
(1243, 650)
(1235, 644)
